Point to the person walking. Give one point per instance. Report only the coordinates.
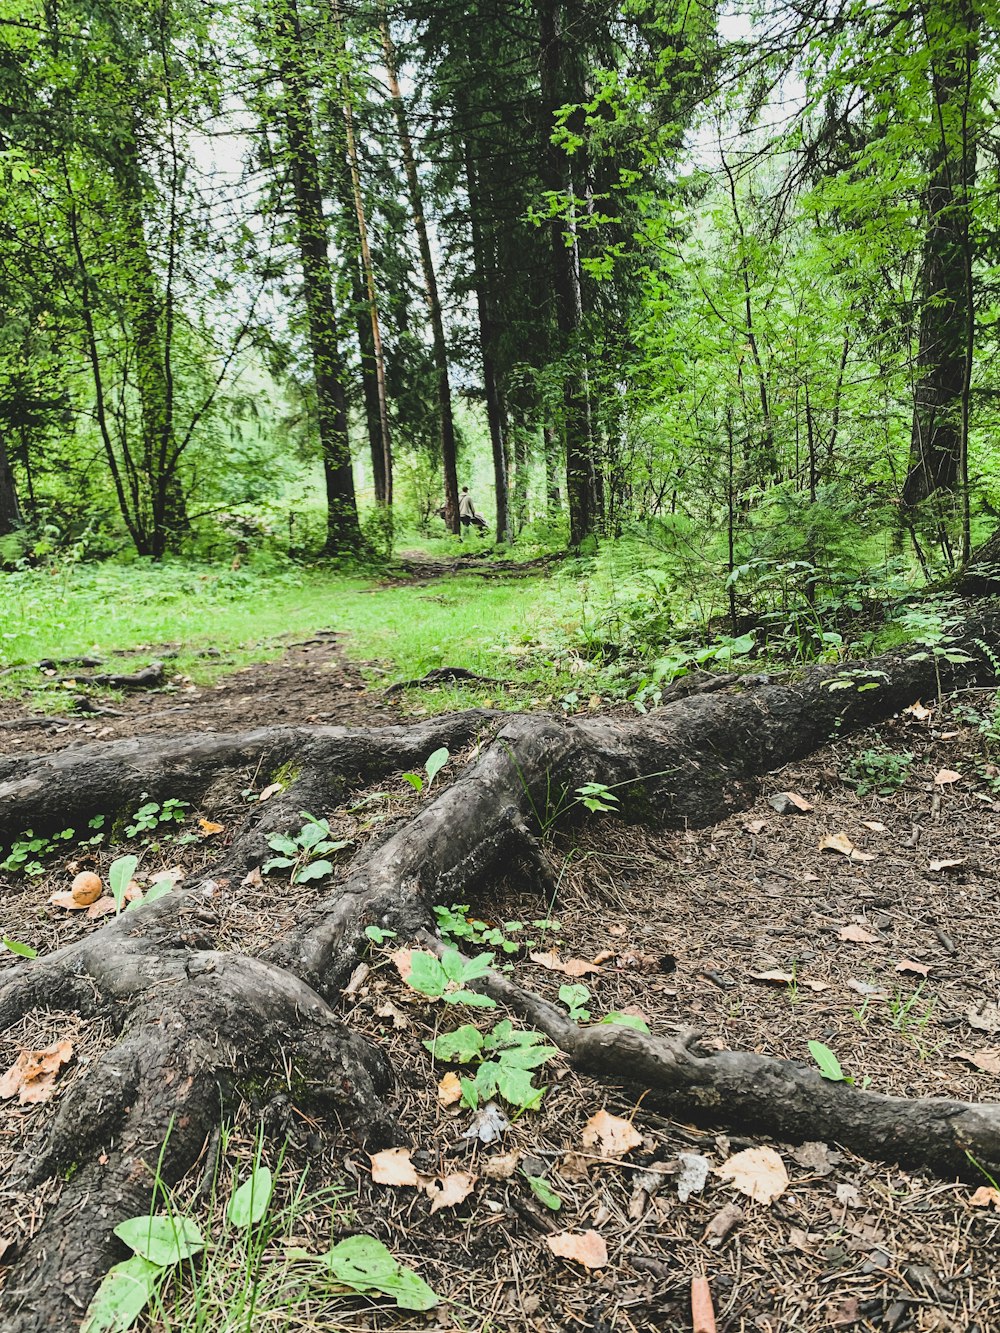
(467, 515)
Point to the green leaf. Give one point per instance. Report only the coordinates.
(277, 863)
(249, 1203)
(119, 875)
(621, 1020)
(472, 998)
(544, 1192)
(122, 1296)
(527, 1057)
(415, 781)
(22, 950)
(458, 1047)
(426, 975)
(161, 1239)
(453, 964)
(470, 1093)
(829, 1065)
(364, 1264)
(435, 763)
(476, 967)
(158, 890)
(378, 936)
(516, 1087)
(279, 843)
(315, 870)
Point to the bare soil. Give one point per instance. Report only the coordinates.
(674, 926)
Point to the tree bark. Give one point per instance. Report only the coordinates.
(449, 456)
(343, 532)
(580, 479)
(939, 436)
(10, 509)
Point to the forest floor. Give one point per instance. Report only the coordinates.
(888, 954)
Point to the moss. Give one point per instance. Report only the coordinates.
(285, 775)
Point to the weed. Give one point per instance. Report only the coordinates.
(910, 1014)
(446, 978)
(432, 768)
(304, 852)
(506, 1060)
(879, 770)
(149, 817)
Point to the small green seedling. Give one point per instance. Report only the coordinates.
(507, 1058)
(829, 1065)
(544, 1192)
(454, 923)
(432, 768)
(304, 853)
(446, 978)
(27, 851)
(119, 875)
(22, 950)
(574, 998)
(379, 936)
(596, 796)
(148, 818)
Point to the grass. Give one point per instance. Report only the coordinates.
(215, 619)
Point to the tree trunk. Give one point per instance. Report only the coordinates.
(201, 1020)
(343, 532)
(580, 481)
(939, 437)
(553, 468)
(491, 387)
(449, 457)
(10, 509)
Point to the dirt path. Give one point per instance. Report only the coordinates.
(312, 682)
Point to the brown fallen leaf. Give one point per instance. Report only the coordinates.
(944, 776)
(452, 1190)
(575, 1166)
(67, 901)
(392, 1166)
(603, 957)
(934, 866)
(172, 875)
(253, 880)
(613, 1135)
(572, 967)
(755, 826)
(388, 1010)
(209, 828)
(757, 1172)
(721, 1224)
(984, 1017)
(779, 978)
(101, 908)
(874, 825)
(501, 1167)
(450, 1089)
(587, 1247)
(270, 791)
(918, 969)
(856, 935)
(847, 1312)
(798, 801)
(985, 1196)
(403, 960)
(987, 1060)
(919, 711)
(33, 1074)
(840, 842)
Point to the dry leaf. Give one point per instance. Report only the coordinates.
(573, 967)
(594, 703)
(984, 1196)
(757, 1172)
(604, 956)
(848, 1196)
(173, 875)
(253, 880)
(450, 1089)
(798, 801)
(32, 1076)
(209, 828)
(865, 988)
(613, 1135)
(874, 825)
(780, 978)
(392, 1166)
(587, 1248)
(919, 711)
(388, 1010)
(815, 1157)
(721, 1224)
(946, 775)
(984, 1017)
(755, 826)
(270, 791)
(403, 959)
(101, 908)
(501, 1167)
(452, 1190)
(840, 842)
(987, 1060)
(945, 865)
(856, 935)
(908, 965)
(575, 1166)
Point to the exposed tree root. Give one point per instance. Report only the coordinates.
(743, 1091)
(441, 676)
(194, 1020)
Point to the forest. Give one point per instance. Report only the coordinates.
(499, 665)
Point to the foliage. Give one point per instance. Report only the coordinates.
(879, 770)
(506, 1059)
(304, 853)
